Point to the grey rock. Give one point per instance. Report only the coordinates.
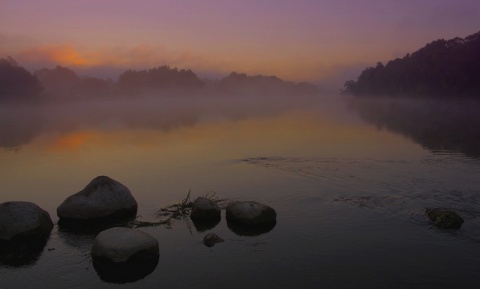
(444, 218)
(23, 220)
(211, 239)
(119, 245)
(250, 213)
(103, 197)
(204, 209)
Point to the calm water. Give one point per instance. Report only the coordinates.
(350, 182)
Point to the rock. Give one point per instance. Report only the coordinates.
(123, 255)
(205, 209)
(250, 213)
(23, 221)
(119, 245)
(102, 198)
(211, 239)
(444, 218)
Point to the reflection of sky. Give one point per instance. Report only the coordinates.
(58, 162)
(298, 40)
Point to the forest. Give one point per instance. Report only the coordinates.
(441, 69)
(61, 83)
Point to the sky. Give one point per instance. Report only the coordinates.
(301, 40)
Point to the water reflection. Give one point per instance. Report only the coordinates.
(21, 253)
(21, 124)
(437, 125)
(205, 225)
(125, 273)
(251, 231)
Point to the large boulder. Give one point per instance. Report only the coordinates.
(250, 213)
(23, 221)
(122, 255)
(444, 218)
(102, 198)
(205, 209)
(120, 245)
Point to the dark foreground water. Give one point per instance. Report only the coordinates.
(350, 182)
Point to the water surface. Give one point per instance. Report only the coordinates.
(350, 182)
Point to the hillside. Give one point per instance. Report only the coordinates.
(443, 68)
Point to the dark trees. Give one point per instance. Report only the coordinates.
(159, 78)
(443, 68)
(16, 83)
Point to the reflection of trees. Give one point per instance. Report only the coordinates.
(443, 68)
(19, 125)
(436, 125)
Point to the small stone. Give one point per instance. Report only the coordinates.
(119, 245)
(204, 209)
(211, 239)
(23, 220)
(102, 198)
(444, 218)
(250, 213)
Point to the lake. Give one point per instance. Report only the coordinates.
(350, 181)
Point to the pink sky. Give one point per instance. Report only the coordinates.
(295, 40)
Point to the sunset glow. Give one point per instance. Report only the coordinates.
(306, 40)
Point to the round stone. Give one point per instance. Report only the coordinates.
(204, 208)
(102, 198)
(119, 245)
(23, 220)
(250, 213)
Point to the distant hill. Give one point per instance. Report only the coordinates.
(61, 83)
(16, 83)
(242, 83)
(158, 78)
(443, 68)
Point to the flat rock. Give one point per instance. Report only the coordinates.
(23, 220)
(102, 198)
(204, 209)
(250, 213)
(120, 245)
(444, 218)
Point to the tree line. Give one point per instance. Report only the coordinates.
(18, 84)
(443, 68)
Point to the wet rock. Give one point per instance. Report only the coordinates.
(444, 218)
(123, 255)
(205, 209)
(119, 245)
(103, 198)
(23, 221)
(250, 213)
(211, 239)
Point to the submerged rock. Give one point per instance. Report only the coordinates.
(444, 218)
(211, 239)
(23, 221)
(205, 209)
(122, 255)
(102, 198)
(250, 213)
